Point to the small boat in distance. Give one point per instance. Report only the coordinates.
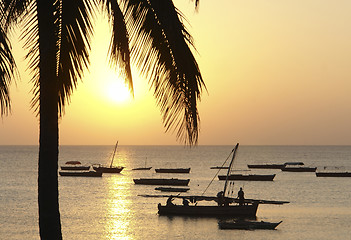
(298, 169)
(172, 170)
(274, 165)
(333, 174)
(84, 173)
(248, 177)
(74, 166)
(142, 168)
(219, 167)
(248, 225)
(111, 168)
(162, 181)
(172, 189)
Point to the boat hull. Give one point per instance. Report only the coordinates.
(250, 177)
(299, 169)
(142, 168)
(333, 174)
(209, 211)
(80, 174)
(108, 169)
(266, 166)
(162, 181)
(171, 189)
(248, 225)
(172, 170)
(75, 168)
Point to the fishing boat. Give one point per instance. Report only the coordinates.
(266, 166)
(248, 225)
(172, 189)
(74, 166)
(274, 165)
(142, 168)
(172, 170)
(222, 205)
(83, 173)
(298, 169)
(219, 167)
(162, 181)
(111, 168)
(333, 174)
(248, 177)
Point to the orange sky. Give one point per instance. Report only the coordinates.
(277, 72)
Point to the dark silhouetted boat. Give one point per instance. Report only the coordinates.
(172, 189)
(248, 177)
(162, 181)
(74, 166)
(225, 206)
(172, 170)
(111, 168)
(83, 173)
(333, 174)
(274, 165)
(142, 168)
(219, 167)
(298, 169)
(249, 225)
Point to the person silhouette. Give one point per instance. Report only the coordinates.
(241, 196)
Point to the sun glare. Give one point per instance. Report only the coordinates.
(117, 91)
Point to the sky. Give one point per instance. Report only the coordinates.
(277, 73)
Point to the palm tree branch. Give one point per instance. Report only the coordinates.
(74, 31)
(8, 71)
(119, 47)
(161, 49)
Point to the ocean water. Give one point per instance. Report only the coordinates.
(111, 208)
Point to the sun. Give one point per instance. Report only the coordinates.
(117, 91)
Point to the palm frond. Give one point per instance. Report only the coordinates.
(119, 46)
(74, 31)
(161, 49)
(8, 71)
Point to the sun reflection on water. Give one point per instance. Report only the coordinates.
(118, 210)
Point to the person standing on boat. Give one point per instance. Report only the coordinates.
(169, 201)
(220, 198)
(241, 196)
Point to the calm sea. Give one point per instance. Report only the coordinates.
(110, 208)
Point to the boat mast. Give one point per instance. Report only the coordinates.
(113, 155)
(229, 169)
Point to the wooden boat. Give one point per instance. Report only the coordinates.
(225, 206)
(162, 181)
(209, 211)
(249, 225)
(266, 166)
(219, 167)
(111, 168)
(248, 177)
(83, 173)
(274, 165)
(172, 170)
(333, 174)
(172, 189)
(142, 168)
(74, 166)
(298, 169)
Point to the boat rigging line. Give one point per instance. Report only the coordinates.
(218, 171)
